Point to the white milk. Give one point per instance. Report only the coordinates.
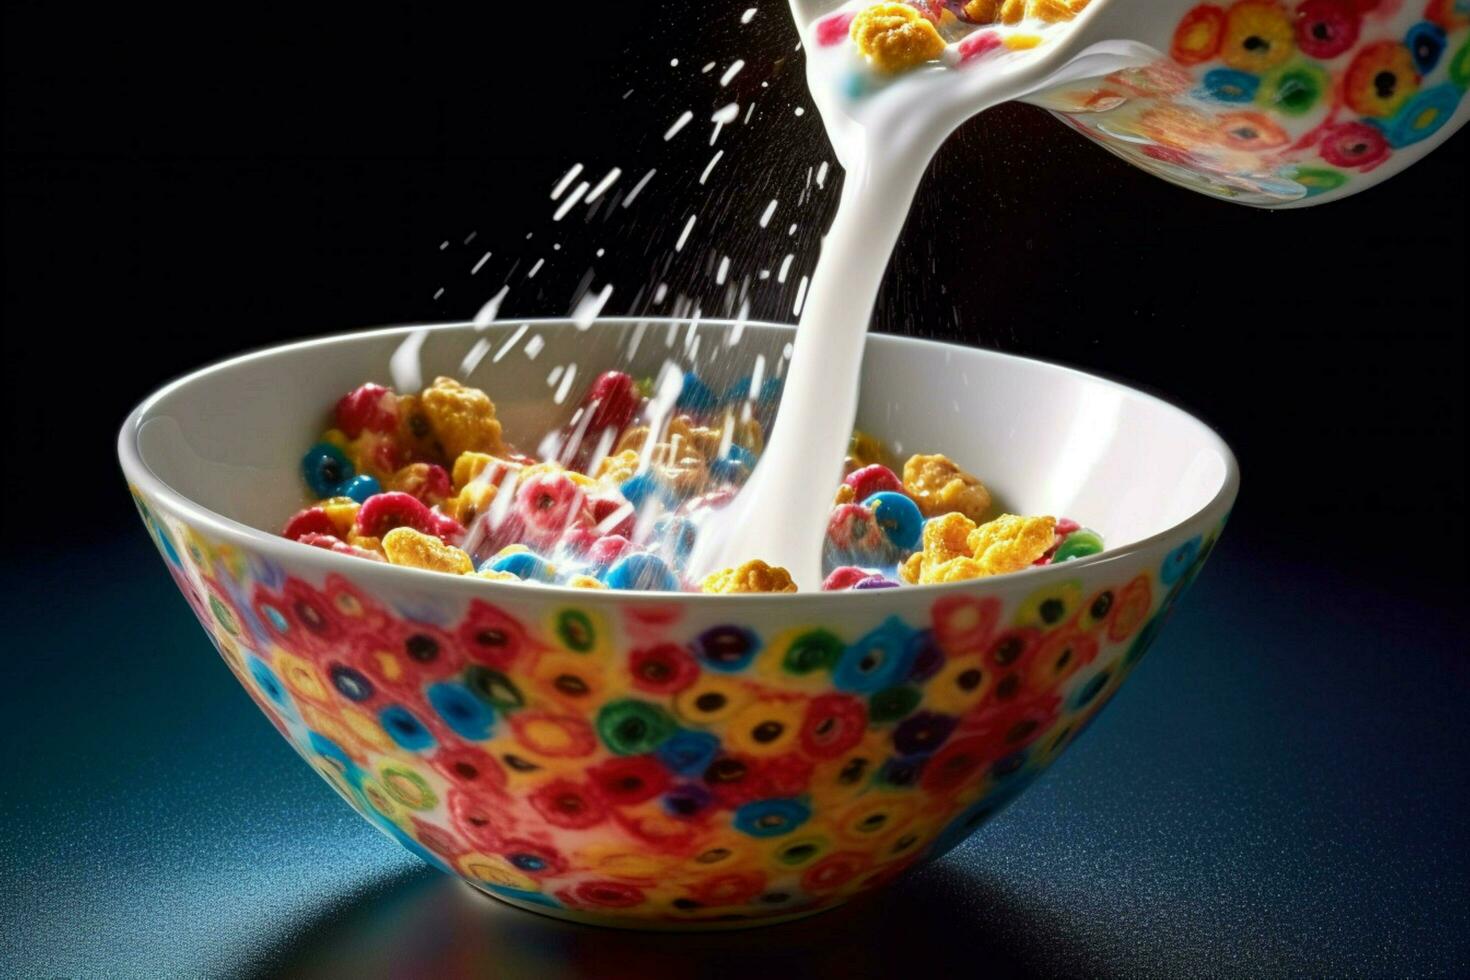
(884, 134)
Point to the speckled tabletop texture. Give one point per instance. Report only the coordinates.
(1280, 789)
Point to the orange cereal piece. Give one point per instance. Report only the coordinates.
(954, 570)
(461, 419)
(342, 511)
(895, 37)
(748, 433)
(495, 576)
(865, 450)
(580, 582)
(405, 546)
(938, 486)
(983, 11)
(701, 439)
(468, 466)
(753, 576)
(635, 438)
(470, 502)
(618, 467)
(1012, 11)
(845, 495)
(945, 539)
(680, 468)
(365, 542)
(947, 536)
(1010, 543)
(1051, 11)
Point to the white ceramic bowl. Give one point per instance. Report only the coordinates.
(639, 791)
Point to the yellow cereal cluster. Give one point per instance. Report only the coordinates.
(703, 440)
(342, 511)
(618, 467)
(753, 576)
(365, 542)
(895, 37)
(1015, 11)
(581, 582)
(471, 501)
(494, 576)
(452, 419)
(954, 549)
(939, 487)
(405, 546)
(1010, 543)
(865, 450)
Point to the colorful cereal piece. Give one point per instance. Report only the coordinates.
(938, 486)
(428, 482)
(462, 419)
(367, 408)
(406, 546)
(642, 573)
(524, 565)
(360, 487)
(873, 478)
(1078, 544)
(1010, 543)
(844, 577)
(383, 512)
(326, 468)
(753, 576)
(310, 520)
(899, 518)
(895, 37)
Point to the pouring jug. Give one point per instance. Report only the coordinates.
(1275, 103)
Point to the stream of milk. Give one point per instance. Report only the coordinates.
(884, 134)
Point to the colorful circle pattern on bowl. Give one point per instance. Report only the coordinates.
(1270, 102)
(659, 770)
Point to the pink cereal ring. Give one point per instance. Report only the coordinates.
(312, 520)
(382, 512)
(844, 577)
(834, 30)
(868, 480)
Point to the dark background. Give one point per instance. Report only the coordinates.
(183, 186)
(180, 190)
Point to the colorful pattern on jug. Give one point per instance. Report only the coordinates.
(1268, 101)
(641, 762)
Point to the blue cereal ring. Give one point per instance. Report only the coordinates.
(326, 468)
(642, 573)
(359, 488)
(899, 518)
(771, 818)
(524, 565)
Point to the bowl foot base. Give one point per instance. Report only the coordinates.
(648, 925)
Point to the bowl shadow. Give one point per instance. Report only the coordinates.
(944, 918)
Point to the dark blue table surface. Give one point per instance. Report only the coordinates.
(1281, 788)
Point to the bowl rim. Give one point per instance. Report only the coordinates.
(140, 475)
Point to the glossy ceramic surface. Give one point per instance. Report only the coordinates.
(1277, 102)
(667, 761)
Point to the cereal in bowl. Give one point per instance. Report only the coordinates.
(428, 481)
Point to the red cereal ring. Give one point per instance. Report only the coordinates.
(663, 669)
(569, 804)
(834, 723)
